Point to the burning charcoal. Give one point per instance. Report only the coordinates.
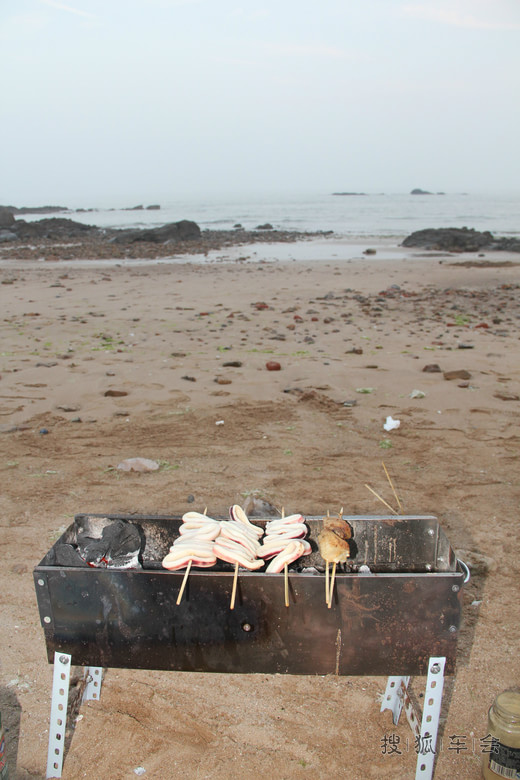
(67, 555)
(118, 547)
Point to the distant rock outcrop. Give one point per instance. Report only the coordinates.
(460, 240)
(418, 191)
(35, 209)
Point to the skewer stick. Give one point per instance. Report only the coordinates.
(234, 591)
(326, 582)
(329, 604)
(184, 581)
(285, 574)
(382, 500)
(393, 488)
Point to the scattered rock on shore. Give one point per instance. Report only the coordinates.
(459, 240)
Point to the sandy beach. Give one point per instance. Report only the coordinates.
(167, 360)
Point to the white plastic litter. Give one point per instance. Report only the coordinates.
(138, 464)
(391, 424)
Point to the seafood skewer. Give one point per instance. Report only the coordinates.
(194, 546)
(284, 543)
(334, 548)
(239, 544)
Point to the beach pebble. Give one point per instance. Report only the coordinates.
(273, 365)
(432, 368)
(138, 464)
(460, 373)
(115, 393)
(507, 396)
(257, 507)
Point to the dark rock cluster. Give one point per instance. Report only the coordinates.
(460, 240)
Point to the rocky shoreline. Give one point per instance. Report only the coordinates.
(65, 239)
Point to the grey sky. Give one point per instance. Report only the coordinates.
(125, 100)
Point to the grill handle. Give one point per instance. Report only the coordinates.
(466, 571)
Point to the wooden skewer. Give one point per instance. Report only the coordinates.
(326, 582)
(184, 581)
(382, 500)
(329, 604)
(234, 591)
(393, 488)
(285, 574)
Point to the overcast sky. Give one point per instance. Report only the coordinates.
(106, 101)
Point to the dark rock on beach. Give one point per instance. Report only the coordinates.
(460, 240)
(185, 230)
(6, 217)
(56, 228)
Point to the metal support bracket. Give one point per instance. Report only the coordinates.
(93, 678)
(60, 698)
(396, 697)
(59, 704)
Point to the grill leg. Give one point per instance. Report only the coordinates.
(60, 697)
(430, 719)
(396, 697)
(93, 677)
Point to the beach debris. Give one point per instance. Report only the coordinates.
(391, 424)
(369, 252)
(219, 422)
(273, 365)
(43, 431)
(364, 390)
(417, 394)
(138, 464)
(460, 373)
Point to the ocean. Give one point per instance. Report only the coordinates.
(351, 216)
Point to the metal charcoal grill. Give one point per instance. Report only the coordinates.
(390, 620)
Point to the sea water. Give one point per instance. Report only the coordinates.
(383, 215)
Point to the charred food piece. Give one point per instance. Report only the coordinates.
(333, 540)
